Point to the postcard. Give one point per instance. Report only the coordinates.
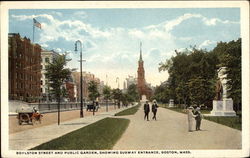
(125, 79)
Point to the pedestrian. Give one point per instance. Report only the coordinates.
(190, 116)
(146, 110)
(154, 109)
(198, 118)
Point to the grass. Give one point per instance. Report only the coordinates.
(230, 121)
(129, 111)
(101, 135)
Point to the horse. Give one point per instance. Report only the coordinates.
(36, 117)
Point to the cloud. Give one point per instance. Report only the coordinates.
(116, 49)
(80, 14)
(206, 43)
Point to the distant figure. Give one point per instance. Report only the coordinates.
(146, 110)
(191, 116)
(154, 109)
(198, 118)
(34, 109)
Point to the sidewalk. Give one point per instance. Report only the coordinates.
(28, 139)
(170, 131)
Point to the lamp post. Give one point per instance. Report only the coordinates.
(81, 107)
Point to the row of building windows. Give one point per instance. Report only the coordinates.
(26, 86)
(26, 77)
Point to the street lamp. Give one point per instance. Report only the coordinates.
(78, 41)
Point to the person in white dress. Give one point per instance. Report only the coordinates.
(191, 117)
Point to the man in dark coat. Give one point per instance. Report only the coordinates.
(198, 118)
(146, 110)
(154, 109)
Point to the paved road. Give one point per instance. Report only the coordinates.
(170, 131)
(51, 118)
(30, 138)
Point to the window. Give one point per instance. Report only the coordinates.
(41, 82)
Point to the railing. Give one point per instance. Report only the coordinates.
(64, 106)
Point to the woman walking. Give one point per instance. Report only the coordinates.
(191, 117)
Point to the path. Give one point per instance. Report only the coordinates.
(30, 138)
(170, 131)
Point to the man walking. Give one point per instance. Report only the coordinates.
(146, 110)
(154, 109)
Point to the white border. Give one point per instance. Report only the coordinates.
(244, 5)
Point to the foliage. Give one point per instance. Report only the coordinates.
(106, 92)
(200, 91)
(193, 74)
(117, 94)
(100, 135)
(132, 94)
(57, 74)
(231, 59)
(93, 91)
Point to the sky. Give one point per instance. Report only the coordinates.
(111, 37)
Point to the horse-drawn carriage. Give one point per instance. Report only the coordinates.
(92, 106)
(28, 116)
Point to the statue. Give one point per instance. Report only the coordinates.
(219, 91)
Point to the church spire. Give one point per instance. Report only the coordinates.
(140, 52)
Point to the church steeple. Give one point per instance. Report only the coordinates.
(140, 53)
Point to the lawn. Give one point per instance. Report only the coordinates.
(230, 121)
(101, 135)
(129, 111)
(233, 122)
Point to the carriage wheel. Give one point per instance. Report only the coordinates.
(19, 121)
(24, 118)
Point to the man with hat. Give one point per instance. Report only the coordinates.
(198, 118)
(146, 110)
(154, 109)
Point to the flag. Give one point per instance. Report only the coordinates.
(36, 23)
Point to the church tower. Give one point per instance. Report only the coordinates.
(141, 76)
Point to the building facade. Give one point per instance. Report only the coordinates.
(130, 80)
(46, 58)
(86, 78)
(24, 69)
(142, 87)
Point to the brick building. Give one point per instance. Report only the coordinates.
(86, 77)
(142, 86)
(70, 87)
(24, 69)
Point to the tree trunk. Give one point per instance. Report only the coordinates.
(58, 107)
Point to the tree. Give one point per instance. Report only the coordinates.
(57, 74)
(93, 93)
(107, 94)
(117, 95)
(132, 94)
(200, 91)
(231, 59)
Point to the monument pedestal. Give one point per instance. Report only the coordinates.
(223, 107)
(143, 99)
(171, 103)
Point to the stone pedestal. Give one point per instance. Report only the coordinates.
(143, 99)
(223, 107)
(171, 103)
